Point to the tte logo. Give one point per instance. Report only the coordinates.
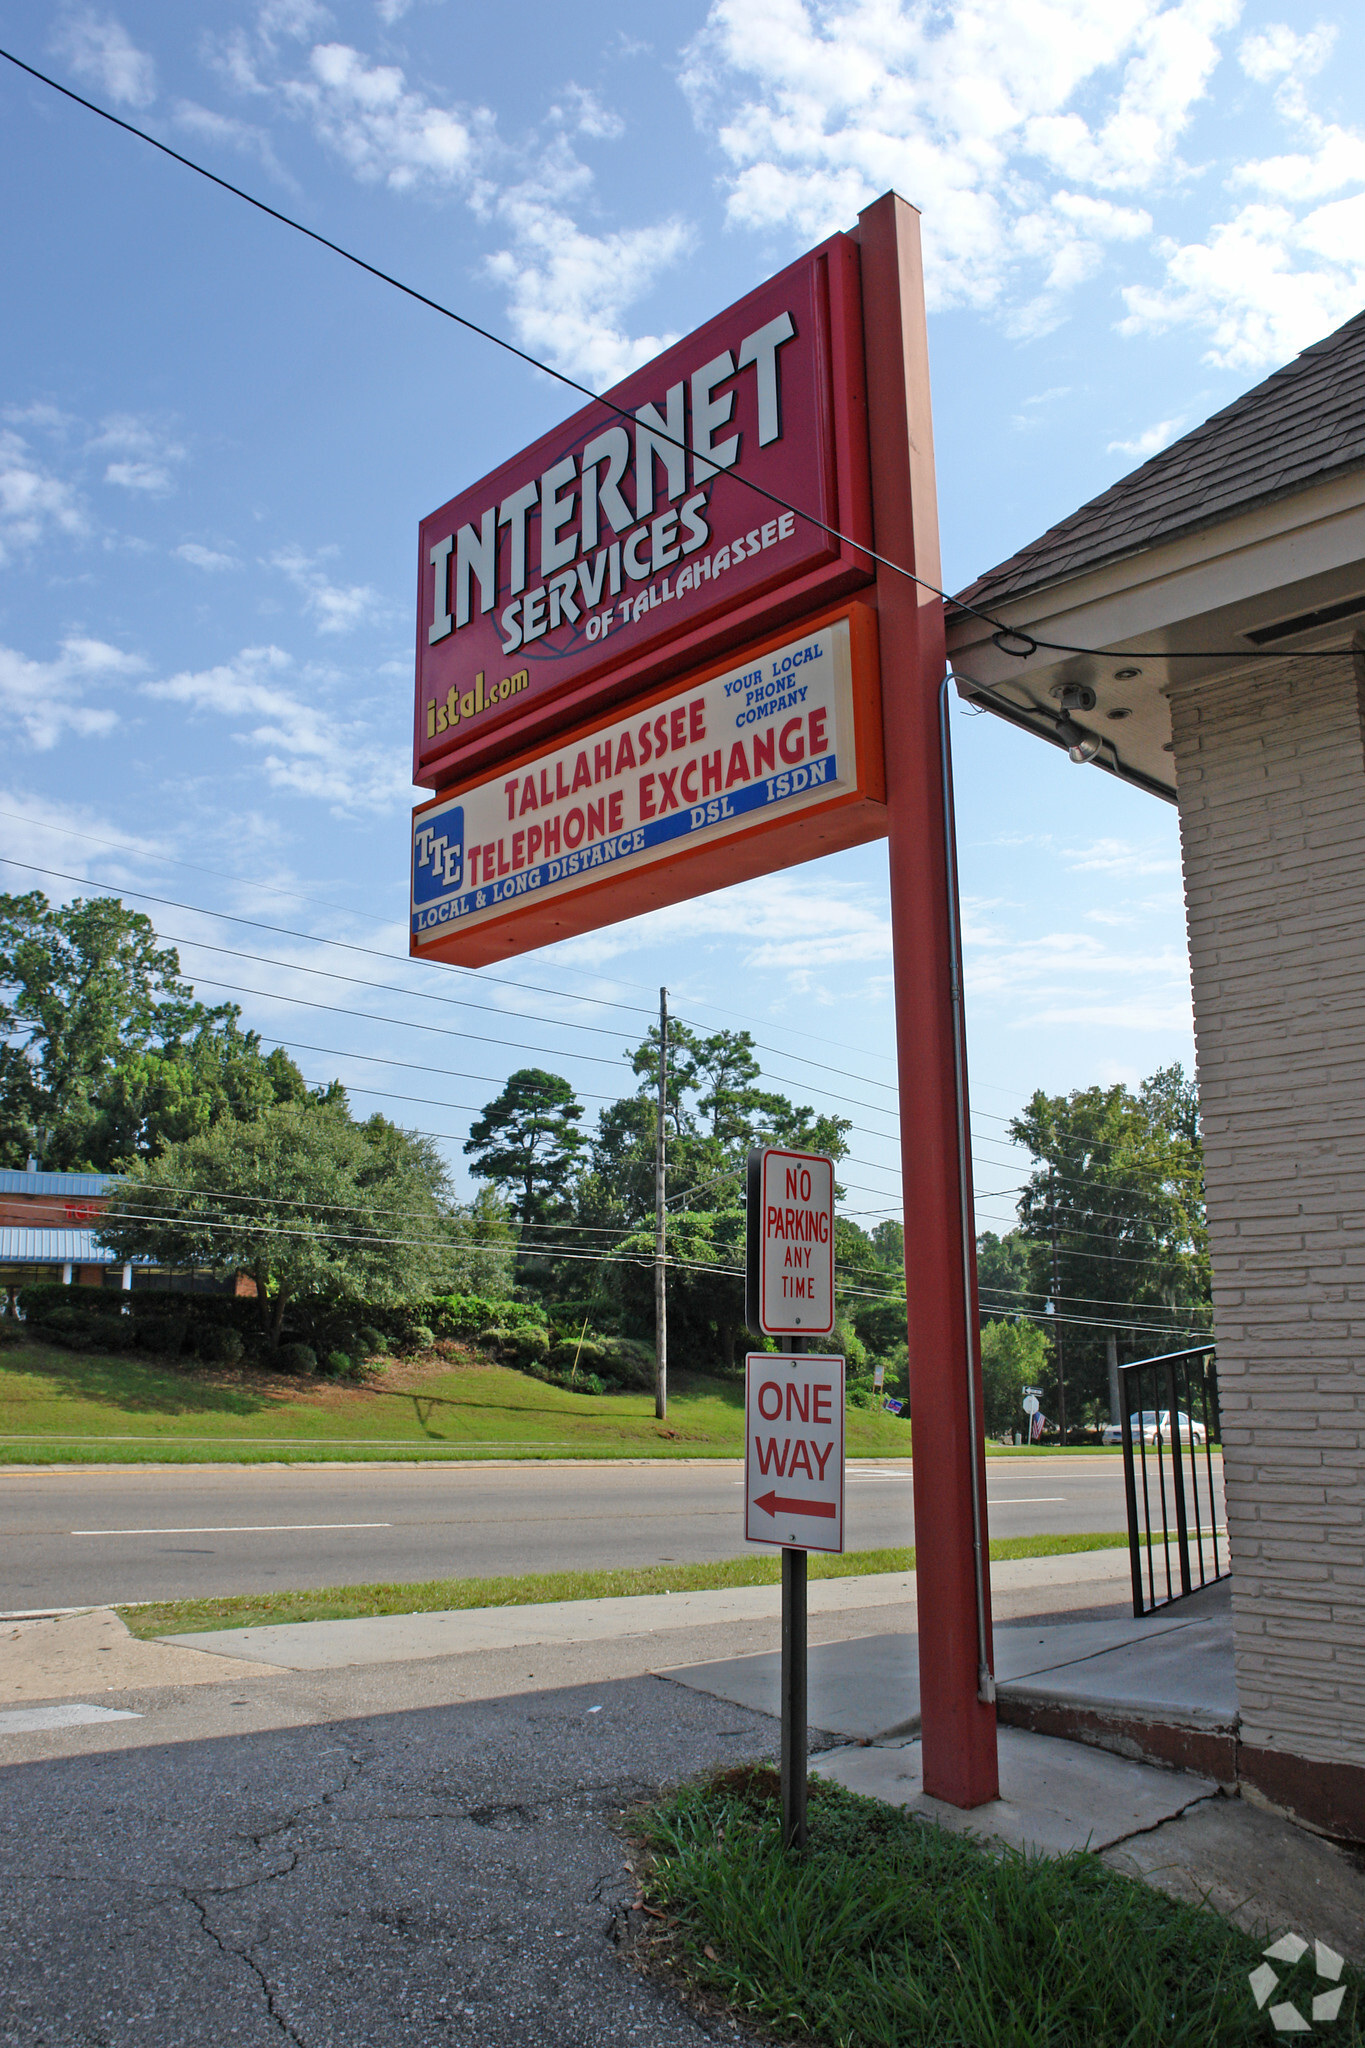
(438, 856)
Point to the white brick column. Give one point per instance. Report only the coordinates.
(1271, 770)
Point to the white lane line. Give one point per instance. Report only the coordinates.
(1028, 1500)
(236, 1529)
(31, 1720)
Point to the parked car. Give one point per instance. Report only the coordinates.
(1153, 1426)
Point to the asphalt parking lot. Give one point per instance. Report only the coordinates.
(445, 1875)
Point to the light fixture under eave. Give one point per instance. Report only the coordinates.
(1081, 746)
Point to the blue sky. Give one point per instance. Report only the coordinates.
(216, 442)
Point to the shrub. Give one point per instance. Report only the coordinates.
(299, 1358)
(465, 1315)
(163, 1332)
(527, 1348)
(220, 1346)
(337, 1365)
(368, 1342)
(421, 1337)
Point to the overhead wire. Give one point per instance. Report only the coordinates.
(1002, 632)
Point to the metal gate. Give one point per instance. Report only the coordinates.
(1170, 1422)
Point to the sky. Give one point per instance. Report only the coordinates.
(217, 440)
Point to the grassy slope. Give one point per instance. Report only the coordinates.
(443, 1596)
(87, 1407)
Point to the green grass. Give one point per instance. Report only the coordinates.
(440, 1596)
(92, 1408)
(893, 1933)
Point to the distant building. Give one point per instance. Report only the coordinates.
(47, 1232)
(47, 1223)
(1224, 584)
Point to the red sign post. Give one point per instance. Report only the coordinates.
(638, 677)
(957, 1713)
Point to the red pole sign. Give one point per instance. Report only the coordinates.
(639, 678)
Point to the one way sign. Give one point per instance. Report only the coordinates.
(794, 1450)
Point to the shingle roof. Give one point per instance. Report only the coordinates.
(1303, 424)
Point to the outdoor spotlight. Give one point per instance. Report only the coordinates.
(1081, 745)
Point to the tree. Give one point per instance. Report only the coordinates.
(889, 1241)
(716, 1112)
(1118, 1185)
(528, 1142)
(1003, 1269)
(310, 1204)
(1013, 1355)
(705, 1286)
(110, 1056)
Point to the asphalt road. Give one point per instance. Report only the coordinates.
(69, 1538)
(451, 1875)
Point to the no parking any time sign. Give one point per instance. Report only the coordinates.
(789, 1281)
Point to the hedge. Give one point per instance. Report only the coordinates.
(163, 1320)
(515, 1333)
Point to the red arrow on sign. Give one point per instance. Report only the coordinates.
(777, 1503)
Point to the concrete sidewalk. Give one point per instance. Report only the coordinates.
(1171, 1667)
(1082, 1578)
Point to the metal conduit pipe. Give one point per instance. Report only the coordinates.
(985, 1677)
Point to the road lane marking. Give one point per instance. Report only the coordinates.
(237, 1529)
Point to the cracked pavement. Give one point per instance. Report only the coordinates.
(441, 1874)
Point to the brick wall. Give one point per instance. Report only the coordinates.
(1272, 809)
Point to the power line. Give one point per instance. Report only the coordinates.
(345, 945)
(1029, 643)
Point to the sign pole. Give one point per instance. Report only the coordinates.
(955, 1652)
(794, 1700)
(661, 1223)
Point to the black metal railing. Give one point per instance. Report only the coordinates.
(1170, 1422)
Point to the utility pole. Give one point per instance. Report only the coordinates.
(660, 1221)
(1057, 1305)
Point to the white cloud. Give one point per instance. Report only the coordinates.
(583, 111)
(1025, 129)
(383, 130)
(32, 500)
(223, 131)
(336, 607)
(297, 736)
(1151, 440)
(44, 699)
(806, 927)
(102, 53)
(820, 107)
(1278, 52)
(568, 291)
(1271, 278)
(72, 836)
(205, 558)
(568, 287)
(1246, 287)
(144, 456)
